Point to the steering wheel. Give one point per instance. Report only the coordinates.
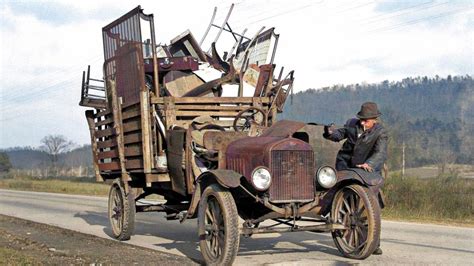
(248, 117)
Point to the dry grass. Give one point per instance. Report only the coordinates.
(445, 199)
(430, 171)
(9, 256)
(72, 186)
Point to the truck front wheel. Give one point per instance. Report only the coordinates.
(357, 209)
(218, 226)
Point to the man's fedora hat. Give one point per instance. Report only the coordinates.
(368, 110)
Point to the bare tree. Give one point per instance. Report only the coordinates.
(54, 145)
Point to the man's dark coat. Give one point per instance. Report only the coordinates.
(360, 147)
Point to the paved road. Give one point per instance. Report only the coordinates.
(405, 243)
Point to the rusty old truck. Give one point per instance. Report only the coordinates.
(201, 131)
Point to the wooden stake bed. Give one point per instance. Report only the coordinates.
(141, 131)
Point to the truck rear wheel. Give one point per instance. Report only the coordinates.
(218, 226)
(121, 211)
(357, 209)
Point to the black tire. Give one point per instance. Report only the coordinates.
(356, 208)
(121, 211)
(218, 226)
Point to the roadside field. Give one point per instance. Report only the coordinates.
(430, 171)
(72, 186)
(445, 200)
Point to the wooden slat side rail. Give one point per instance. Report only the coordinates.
(109, 166)
(222, 123)
(104, 122)
(107, 144)
(212, 107)
(108, 154)
(131, 126)
(102, 113)
(134, 164)
(130, 114)
(133, 138)
(104, 133)
(210, 100)
(135, 150)
(131, 104)
(129, 164)
(210, 113)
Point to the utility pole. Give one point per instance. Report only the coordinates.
(403, 159)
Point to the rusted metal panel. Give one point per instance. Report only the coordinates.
(291, 164)
(130, 74)
(292, 176)
(264, 80)
(283, 128)
(218, 140)
(245, 154)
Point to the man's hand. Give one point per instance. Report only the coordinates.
(366, 167)
(328, 129)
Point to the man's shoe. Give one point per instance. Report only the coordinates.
(377, 251)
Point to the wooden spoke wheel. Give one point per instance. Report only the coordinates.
(249, 116)
(357, 209)
(218, 226)
(121, 211)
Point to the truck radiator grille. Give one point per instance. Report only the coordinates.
(292, 173)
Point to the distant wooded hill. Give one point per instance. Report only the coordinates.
(434, 117)
(32, 158)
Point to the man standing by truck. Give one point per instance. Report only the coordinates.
(366, 144)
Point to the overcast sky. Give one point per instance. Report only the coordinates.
(45, 45)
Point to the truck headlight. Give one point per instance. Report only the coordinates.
(261, 178)
(326, 177)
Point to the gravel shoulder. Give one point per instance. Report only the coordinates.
(26, 242)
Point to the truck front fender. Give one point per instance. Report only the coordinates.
(364, 177)
(225, 178)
